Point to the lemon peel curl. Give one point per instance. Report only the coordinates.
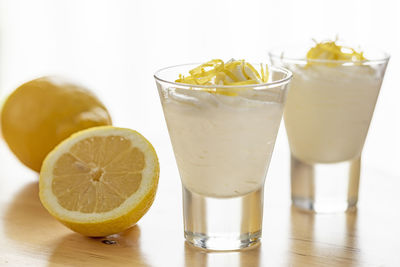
(216, 72)
(330, 50)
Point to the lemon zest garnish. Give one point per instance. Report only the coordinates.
(216, 72)
(230, 75)
(255, 72)
(330, 50)
(242, 67)
(264, 73)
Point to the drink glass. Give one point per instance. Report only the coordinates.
(327, 116)
(223, 138)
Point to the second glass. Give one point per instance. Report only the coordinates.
(327, 116)
(223, 138)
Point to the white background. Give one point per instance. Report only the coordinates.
(114, 47)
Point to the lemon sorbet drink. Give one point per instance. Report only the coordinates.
(327, 117)
(223, 119)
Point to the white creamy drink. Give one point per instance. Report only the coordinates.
(327, 115)
(222, 144)
(223, 140)
(329, 109)
(222, 118)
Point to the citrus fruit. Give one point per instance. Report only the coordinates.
(100, 181)
(41, 113)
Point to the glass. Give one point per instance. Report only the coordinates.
(223, 138)
(327, 116)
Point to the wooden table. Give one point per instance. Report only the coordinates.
(368, 237)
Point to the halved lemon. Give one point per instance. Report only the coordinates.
(100, 181)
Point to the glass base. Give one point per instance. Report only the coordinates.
(325, 188)
(222, 223)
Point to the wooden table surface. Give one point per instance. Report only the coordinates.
(369, 236)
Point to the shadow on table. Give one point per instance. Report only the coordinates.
(26, 220)
(323, 239)
(195, 257)
(115, 250)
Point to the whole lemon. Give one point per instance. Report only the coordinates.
(41, 113)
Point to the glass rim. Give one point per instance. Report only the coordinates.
(278, 53)
(277, 83)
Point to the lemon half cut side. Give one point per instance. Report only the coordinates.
(100, 181)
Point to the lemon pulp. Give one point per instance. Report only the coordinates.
(98, 181)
